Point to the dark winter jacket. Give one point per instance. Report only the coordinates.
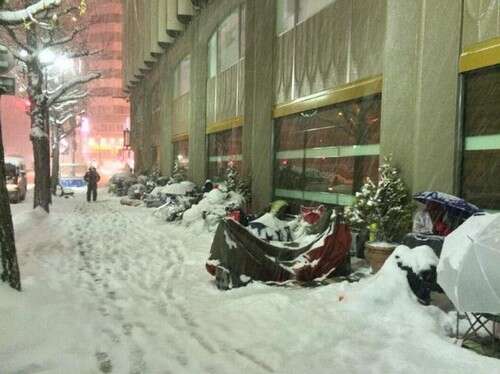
(92, 177)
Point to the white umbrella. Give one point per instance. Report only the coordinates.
(469, 267)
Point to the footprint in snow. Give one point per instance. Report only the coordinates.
(104, 362)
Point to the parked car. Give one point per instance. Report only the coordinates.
(15, 172)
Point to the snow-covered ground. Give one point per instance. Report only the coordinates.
(109, 288)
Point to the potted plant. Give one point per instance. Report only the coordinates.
(384, 208)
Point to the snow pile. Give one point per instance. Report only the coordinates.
(120, 183)
(173, 207)
(181, 188)
(212, 208)
(136, 191)
(112, 289)
(269, 227)
(419, 259)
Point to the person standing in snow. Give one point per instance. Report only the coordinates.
(92, 177)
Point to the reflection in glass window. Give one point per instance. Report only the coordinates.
(182, 77)
(285, 16)
(326, 154)
(212, 56)
(481, 157)
(229, 41)
(181, 152)
(223, 148)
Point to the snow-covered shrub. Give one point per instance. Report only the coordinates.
(234, 182)
(387, 205)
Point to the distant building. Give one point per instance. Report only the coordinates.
(107, 110)
(16, 128)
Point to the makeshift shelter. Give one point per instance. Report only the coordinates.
(238, 256)
(468, 273)
(448, 212)
(468, 270)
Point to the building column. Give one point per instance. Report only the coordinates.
(420, 91)
(259, 100)
(197, 120)
(166, 87)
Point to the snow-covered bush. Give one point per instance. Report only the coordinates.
(234, 182)
(386, 204)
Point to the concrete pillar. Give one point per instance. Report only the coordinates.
(166, 156)
(259, 100)
(197, 124)
(420, 88)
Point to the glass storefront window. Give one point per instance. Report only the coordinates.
(223, 148)
(229, 39)
(326, 154)
(481, 155)
(181, 152)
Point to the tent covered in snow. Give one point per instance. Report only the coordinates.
(237, 256)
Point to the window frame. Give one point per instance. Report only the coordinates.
(355, 150)
(463, 139)
(239, 10)
(296, 20)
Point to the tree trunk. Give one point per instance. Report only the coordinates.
(10, 268)
(55, 164)
(40, 131)
(41, 154)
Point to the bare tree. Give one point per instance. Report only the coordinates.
(10, 268)
(63, 124)
(52, 30)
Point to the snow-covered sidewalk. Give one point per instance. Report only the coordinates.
(111, 289)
